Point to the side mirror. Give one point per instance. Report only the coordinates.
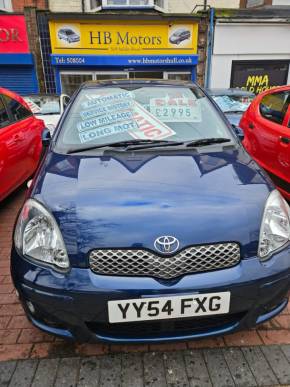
(46, 138)
(64, 102)
(239, 132)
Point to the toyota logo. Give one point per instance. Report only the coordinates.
(166, 244)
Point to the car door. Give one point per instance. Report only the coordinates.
(27, 137)
(263, 124)
(10, 172)
(284, 146)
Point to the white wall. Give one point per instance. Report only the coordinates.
(174, 6)
(65, 5)
(280, 2)
(186, 6)
(246, 42)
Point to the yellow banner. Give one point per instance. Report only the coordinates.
(123, 38)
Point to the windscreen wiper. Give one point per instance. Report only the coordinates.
(208, 141)
(234, 111)
(155, 144)
(126, 143)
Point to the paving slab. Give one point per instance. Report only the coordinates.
(67, 372)
(154, 371)
(110, 368)
(24, 373)
(217, 367)
(7, 369)
(89, 375)
(175, 369)
(196, 369)
(132, 370)
(278, 363)
(45, 374)
(260, 367)
(239, 368)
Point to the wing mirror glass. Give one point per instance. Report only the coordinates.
(239, 132)
(65, 99)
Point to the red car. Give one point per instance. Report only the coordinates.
(266, 126)
(20, 142)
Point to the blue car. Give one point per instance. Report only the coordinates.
(147, 221)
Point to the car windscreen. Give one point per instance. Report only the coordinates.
(233, 103)
(43, 105)
(109, 114)
(70, 32)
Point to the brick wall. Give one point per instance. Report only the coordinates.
(201, 50)
(65, 6)
(18, 5)
(33, 37)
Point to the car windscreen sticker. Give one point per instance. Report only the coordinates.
(106, 99)
(175, 109)
(106, 109)
(104, 120)
(149, 127)
(96, 133)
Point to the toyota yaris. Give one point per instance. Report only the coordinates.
(148, 221)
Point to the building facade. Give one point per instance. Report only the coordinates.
(251, 49)
(124, 46)
(17, 63)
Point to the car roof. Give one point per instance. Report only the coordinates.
(141, 82)
(15, 96)
(41, 95)
(231, 91)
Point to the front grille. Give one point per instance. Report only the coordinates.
(178, 327)
(194, 259)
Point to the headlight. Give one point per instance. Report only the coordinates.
(275, 227)
(38, 237)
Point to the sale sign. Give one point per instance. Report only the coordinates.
(13, 35)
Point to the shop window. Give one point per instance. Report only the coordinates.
(18, 111)
(71, 82)
(4, 119)
(273, 107)
(98, 4)
(146, 75)
(95, 4)
(5, 5)
(178, 76)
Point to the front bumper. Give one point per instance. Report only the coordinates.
(74, 305)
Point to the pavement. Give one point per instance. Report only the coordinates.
(30, 357)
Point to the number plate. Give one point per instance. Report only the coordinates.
(159, 308)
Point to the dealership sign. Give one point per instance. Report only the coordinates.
(13, 34)
(117, 37)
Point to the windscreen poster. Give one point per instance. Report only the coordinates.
(259, 76)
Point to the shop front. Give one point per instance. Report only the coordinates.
(17, 69)
(84, 50)
(251, 51)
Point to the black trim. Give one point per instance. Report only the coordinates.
(279, 182)
(125, 15)
(9, 114)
